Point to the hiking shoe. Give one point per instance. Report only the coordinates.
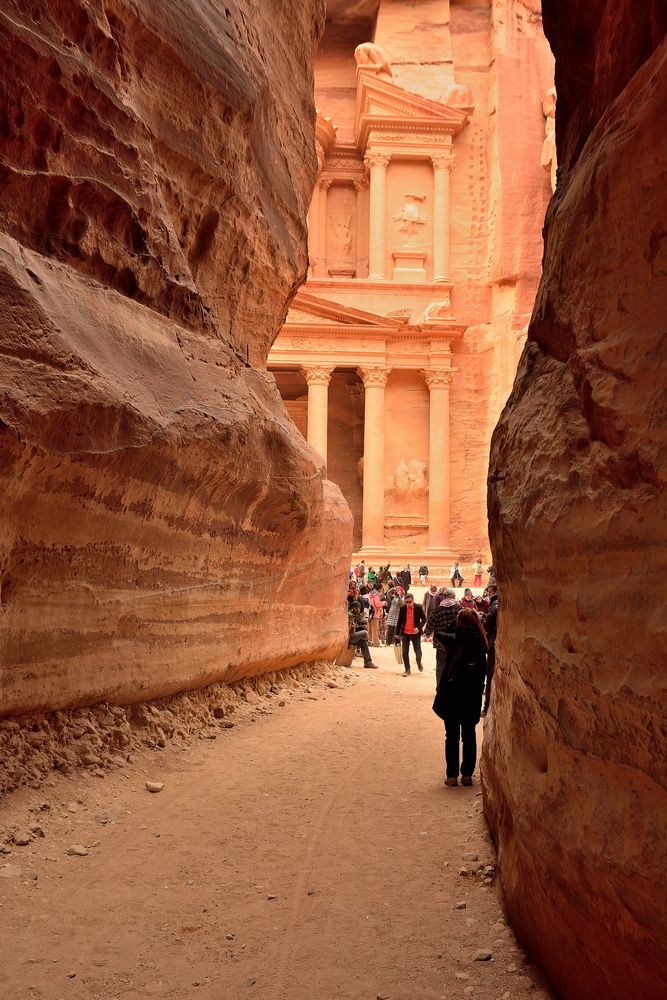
(420, 666)
(406, 673)
(371, 666)
(451, 782)
(466, 780)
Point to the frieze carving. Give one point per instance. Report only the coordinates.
(374, 377)
(437, 134)
(317, 374)
(438, 377)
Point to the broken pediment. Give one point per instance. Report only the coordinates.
(311, 310)
(381, 103)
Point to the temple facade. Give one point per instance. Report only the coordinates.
(425, 243)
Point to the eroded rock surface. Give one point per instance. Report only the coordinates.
(574, 760)
(162, 524)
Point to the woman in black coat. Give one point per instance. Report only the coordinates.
(458, 699)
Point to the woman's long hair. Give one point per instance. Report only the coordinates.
(470, 620)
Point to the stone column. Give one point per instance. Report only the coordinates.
(438, 381)
(372, 533)
(321, 271)
(360, 186)
(317, 378)
(441, 263)
(377, 253)
(313, 237)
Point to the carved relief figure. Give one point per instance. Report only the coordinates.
(409, 480)
(437, 312)
(548, 159)
(411, 218)
(371, 56)
(342, 236)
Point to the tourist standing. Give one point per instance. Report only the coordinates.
(394, 602)
(441, 623)
(468, 601)
(477, 571)
(371, 577)
(491, 628)
(376, 612)
(358, 625)
(409, 627)
(457, 579)
(429, 598)
(481, 606)
(404, 578)
(458, 697)
(423, 574)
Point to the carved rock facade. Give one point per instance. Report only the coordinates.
(161, 522)
(574, 760)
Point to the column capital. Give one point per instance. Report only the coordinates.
(360, 183)
(375, 377)
(373, 158)
(317, 374)
(326, 182)
(442, 161)
(438, 378)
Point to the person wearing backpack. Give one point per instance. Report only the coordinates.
(458, 698)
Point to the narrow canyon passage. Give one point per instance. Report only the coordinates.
(312, 854)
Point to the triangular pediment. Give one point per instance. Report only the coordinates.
(382, 103)
(311, 310)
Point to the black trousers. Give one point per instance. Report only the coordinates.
(490, 667)
(416, 641)
(457, 731)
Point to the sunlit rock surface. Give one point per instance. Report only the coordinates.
(162, 524)
(574, 761)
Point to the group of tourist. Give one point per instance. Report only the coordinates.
(463, 631)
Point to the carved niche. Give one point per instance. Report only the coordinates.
(341, 230)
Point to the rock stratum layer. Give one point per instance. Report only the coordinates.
(162, 523)
(574, 762)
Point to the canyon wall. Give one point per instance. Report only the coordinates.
(162, 523)
(574, 763)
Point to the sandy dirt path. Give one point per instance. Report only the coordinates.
(310, 855)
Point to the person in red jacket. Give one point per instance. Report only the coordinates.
(411, 620)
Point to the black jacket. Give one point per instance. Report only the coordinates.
(459, 693)
(420, 619)
(491, 622)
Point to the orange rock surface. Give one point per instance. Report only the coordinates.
(162, 524)
(574, 759)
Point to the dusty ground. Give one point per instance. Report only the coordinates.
(310, 855)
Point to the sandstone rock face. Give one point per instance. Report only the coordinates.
(574, 759)
(162, 524)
